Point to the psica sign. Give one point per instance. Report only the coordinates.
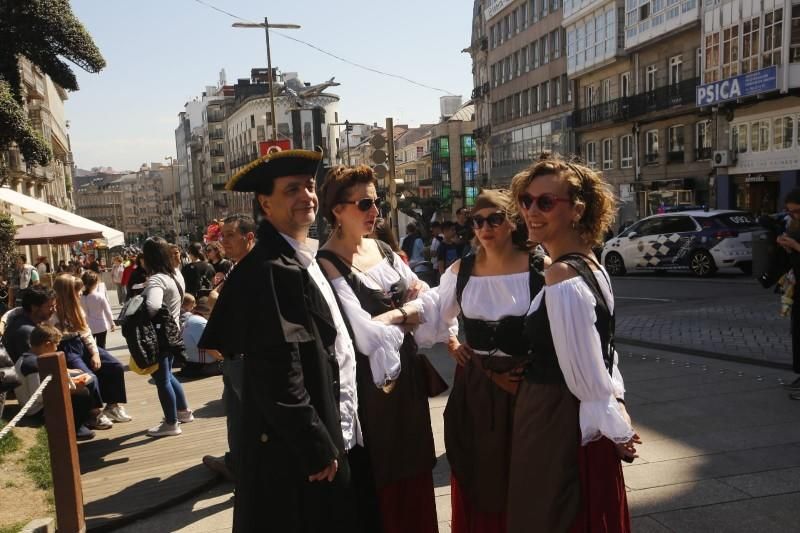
(760, 81)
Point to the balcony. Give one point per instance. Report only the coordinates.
(703, 153)
(629, 107)
(216, 135)
(217, 153)
(675, 157)
(215, 117)
(218, 169)
(481, 134)
(651, 159)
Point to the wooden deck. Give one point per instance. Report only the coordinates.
(125, 473)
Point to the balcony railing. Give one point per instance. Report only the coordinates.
(218, 169)
(703, 153)
(216, 135)
(217, 153)
(651, 159)
(480, 91)
(628, 107)
(215, 117)
(675, 156)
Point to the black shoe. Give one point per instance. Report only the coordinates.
(84, 433)
(793, 386)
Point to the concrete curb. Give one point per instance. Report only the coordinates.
(113, 524)
(704, 353)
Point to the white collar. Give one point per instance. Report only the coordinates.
(305, 250)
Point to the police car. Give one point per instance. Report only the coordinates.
(700, 241)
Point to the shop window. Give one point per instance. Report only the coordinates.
(711, 71)
(773, 34)
(626, 151)
(739, 138)
(759, 136)
(591, 154)
(750, 44)
(608, 154)
(730, 51)
(783, 132)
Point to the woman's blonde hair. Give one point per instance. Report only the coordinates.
(585, 186)
(68, 305)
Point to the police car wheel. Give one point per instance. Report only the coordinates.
(702, 264)
(614, 264)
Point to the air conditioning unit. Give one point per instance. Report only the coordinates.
(723, 158)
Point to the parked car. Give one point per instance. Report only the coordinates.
(700, 241)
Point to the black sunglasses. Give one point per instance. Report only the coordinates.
(365, 204)
(494, 220)
(544, 203)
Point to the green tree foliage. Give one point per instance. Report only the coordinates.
(44, 31)
(7, 245)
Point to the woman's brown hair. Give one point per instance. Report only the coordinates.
(501, 200)
(338, 182)
(90, 280)
(68, 306)
(585, 186)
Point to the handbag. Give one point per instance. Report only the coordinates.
(140, 334)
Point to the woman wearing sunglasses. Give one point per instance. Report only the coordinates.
(491, 291)
(570, 424)
(371, 281)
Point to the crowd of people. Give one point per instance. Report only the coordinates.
(325, 389)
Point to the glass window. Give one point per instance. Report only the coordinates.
(759, 136)
(675, 63)
(730, 51)
(750, 44)
(608, 154)
(711, 71)
(651, 144)
(773, 34)
(650, 78)
(556, 91)
(783, 131)
(545, 95)
(523, 59)
(676, 139)
(625, 84)
(545, 45)
(739, 138)
(535, 54)
(555, 43)
(794, 39)
(591, 154)
(626, 151)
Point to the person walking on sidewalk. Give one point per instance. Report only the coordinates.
(238, 234)
(304, 465)
(570, 424)
(790, 241)
(163, 293)
(117, 271)
(94, 300)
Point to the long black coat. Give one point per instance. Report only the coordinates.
(272, 312)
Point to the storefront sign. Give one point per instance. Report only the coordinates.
(760, 81)
(495, 7)
(755, 179)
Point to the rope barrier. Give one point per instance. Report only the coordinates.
(35, 396)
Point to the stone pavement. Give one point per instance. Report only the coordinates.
(742, 322)
(721, 451)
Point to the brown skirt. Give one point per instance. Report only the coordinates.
(544, 484)
(477, 436)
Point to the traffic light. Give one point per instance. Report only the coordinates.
(379, 156)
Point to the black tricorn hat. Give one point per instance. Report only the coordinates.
(256, 176)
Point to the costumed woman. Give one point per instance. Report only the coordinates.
(571, 427)
(370, 280)
(491, 291)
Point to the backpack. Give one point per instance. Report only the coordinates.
(140, 334)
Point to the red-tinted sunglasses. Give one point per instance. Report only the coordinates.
(494, 220)
(544, 203)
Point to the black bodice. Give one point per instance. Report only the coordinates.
(543, 366)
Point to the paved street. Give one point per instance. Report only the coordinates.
(729, 315)
(721, 451)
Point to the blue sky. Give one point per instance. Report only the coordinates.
(162, 53)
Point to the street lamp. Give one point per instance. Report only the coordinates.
(266, 25)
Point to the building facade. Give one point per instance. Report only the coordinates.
(44, 103)
(99, 197)
(529, 95)
(751, 88)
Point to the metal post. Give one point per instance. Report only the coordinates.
(271, 88)
(64, 462)
(347, 134)
(391, 176)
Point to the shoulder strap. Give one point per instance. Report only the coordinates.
(535, 273)
(178, 285)
(336, 261)
(464, 272)
(388, 254)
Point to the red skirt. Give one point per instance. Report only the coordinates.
(604, 503)
(409, 505)
(465, 519)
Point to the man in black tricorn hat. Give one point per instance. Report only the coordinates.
(304, 468)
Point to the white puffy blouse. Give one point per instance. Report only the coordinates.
(378, 341)
(572, 317)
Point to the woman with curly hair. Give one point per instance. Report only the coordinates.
(570, 424)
